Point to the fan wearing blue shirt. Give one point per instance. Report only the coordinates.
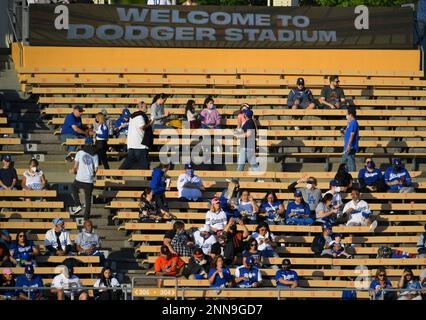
(286, 277)
(397, 178)
(272, 209)
(219, 276)
(370, 178)
(73, 127)
(298, 212)
(379, 283)
(30, 281)
(351, 139)
(247, 275)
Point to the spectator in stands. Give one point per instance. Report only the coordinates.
(101, 130)
(73, 128)
(321, 243)
(204, 239)
(148, 209)
(189, 185)
(232, 192)
(8, 175)
(88, 242)
(337, 202)
(5, 256)
(241, 118)
(107, 280)
(216, 217)
(23, 251)
(121, 126)
(247, 146)
(219, 276)
(210, 117)
(324, 213)
(265, 240)
(248, 208)
(408, 281)
(248, 275)
(57, 240)
(272, 209)
(423, 278)
(311, 194)
(140, 138)
(351, 140)
(359, 213)
(158, 115)
(231, 209)
(286, 277)
(192, 116)
(5, 238)
(168, 264)
(178, 240)
(370, 178)
(397, 178)
(344, 178)
(421, 23)
(298, 212)
(7, 281)
(300, 97)
(337, 248)
(198, 266)
(233, 240)
(67, 286)
(332, 96)
(421, 245)
(33, 178)
(85, 167)
(159, 185)
(30, 281)
(254, 252)
(380, 283)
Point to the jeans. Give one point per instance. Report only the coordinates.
(66, 136)
(349, 160)
(250, 155)
(160, 201)
(102, 147)
(300, 221)
(88, 189)
(421, 31)
(138, 156)
(267, 253)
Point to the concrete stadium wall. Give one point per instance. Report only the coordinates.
(383, 60)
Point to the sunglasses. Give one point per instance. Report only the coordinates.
(253, 245)
(337, 81)
(381, 275)
(262, 229)
(21, 236)
(368, 161)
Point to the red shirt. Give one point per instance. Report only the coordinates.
(174, 263)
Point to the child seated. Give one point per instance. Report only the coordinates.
(337, 248)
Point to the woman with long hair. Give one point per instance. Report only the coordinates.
(22, 250)
(265, 240)
(219, 275)
(324, 211)
(380, 283)
(210, 117)
(272, 209)
(102, 133)
(107, 280)
(148, 210)
(192, 116)
(344, 178)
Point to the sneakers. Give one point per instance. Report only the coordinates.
(75, 210)
(373, 226)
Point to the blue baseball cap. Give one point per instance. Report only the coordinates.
(126, 113)
(57, 221)
(25, 256)
(248, 113)
(88, 141)
(188, 166)
(7, 158)
(334, 183)
(326, 226)
(397, 162)
(250, 260)
(300, 81)
(298, 193)
(29, 269)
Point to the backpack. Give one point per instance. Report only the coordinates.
(317, 245)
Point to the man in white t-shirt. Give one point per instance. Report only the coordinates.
(216, 217)
(139, 139)
(189, 185)
(359, 213)
(86, 164)
(66, 285)
(204, 239)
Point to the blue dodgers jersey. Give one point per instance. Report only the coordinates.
(390, 176)
(253, 276)
(370, 177)
(300, 209)
(69, 121)
(271, 209)
(288, 275)
(352, 127)
(35, 282)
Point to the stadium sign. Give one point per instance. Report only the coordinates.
(221, 27)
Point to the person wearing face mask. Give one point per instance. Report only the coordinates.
(337, 202)
(324, 212)
(57, 241)
(210, 117)
(359, 213)
(351, 140)
(189, 185)
(298, 212)
(397, 178)
(311, 194)
(370, 178)
(29, 280)
(33, 178)
(343, 178)
(286, 277)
